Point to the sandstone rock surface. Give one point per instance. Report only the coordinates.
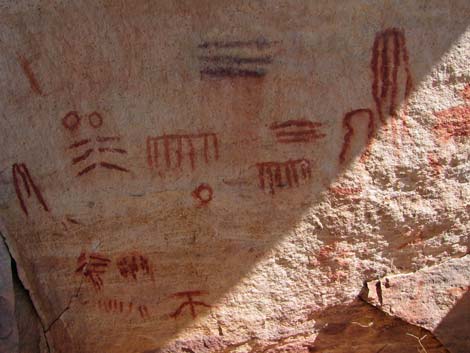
(426, 298)
(224, 176)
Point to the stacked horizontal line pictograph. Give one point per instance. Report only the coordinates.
(293, 131)
(238, 58)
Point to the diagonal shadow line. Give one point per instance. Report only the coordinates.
(453, 329)
(243, 268)
(391, 118)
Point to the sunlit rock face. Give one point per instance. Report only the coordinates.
(231, 176)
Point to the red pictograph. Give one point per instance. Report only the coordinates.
(92, 266)
(389, 56)
(130, 266)
(168, 152)
(391, 87)
(190, 302)
(203, 194)
(88, 147)
(287, 174)
(71, 120)
(113, 306)
(24, 184)
(348, 125)
(116, 306)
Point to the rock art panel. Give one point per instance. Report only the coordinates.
(225, 177)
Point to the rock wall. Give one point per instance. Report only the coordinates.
(234, 176)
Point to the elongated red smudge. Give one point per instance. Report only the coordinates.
(82, 157)
(87, 169)
(113, 166)
(33, 82)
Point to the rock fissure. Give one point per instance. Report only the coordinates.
(20, 283)
(75, 295)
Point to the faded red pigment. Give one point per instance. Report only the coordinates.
(143, 311)
(434, 163)
(33, 82)
(95, 119)
(345, 191)
(115, 306)
(454, 122)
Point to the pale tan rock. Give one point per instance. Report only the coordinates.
(426, 297)
(172, 170)
(356, 327)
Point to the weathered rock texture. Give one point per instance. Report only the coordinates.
(426, 297)
(224, 176)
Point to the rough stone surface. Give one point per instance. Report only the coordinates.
(426, 297)
(8, 326)
(224, 176)
(355, 327)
